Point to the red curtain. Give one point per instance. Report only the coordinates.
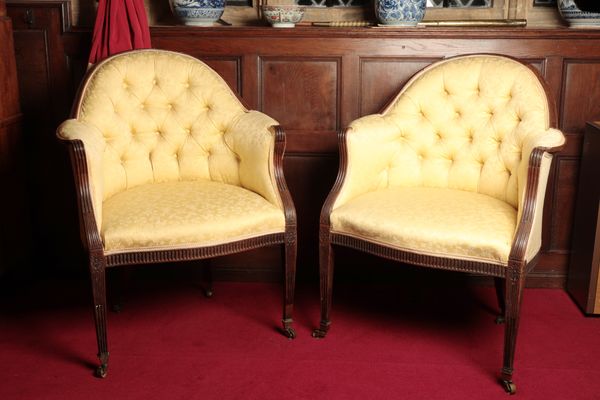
(121, 25)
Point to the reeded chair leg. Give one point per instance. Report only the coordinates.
(326, 261)
(500, 284)
(514, 295)
(98, 277)
(290, 249)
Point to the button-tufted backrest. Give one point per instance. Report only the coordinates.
(462, 123)
(163, 117)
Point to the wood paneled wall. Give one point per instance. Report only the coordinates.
(315, 81)
(13, 219)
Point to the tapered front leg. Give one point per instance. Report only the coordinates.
(290, 249)
(98, 277)
(514, 296)
(326, 261)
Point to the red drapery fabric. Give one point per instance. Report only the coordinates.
(121, 25)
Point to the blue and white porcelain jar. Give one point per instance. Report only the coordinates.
(576, 17)
(198, 12)
(400, 12)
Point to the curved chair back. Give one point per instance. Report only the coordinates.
(161, 116)
(464, 123)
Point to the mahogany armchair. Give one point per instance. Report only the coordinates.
(170, 166)
(452, 175)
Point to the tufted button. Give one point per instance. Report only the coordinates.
(446, 92)
(457, 114)
(154, 82)
(170, 106)
(209, 107)
(188, 131)
(438, 136)
(186, 85)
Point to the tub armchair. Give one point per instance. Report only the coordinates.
(170, 166)
(450, 175)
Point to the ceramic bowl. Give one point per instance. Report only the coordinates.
(198, 12)
(283, 16)
(399, 12)
(577, 18)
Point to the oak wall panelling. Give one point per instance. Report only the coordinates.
(317, 80)
(47, 88)
(14, 239)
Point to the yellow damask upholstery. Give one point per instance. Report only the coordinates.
(169, 146)
(183, 214)
(465, 126)
(442, 222)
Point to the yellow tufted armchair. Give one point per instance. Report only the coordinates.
(170, 166)
(452, 175)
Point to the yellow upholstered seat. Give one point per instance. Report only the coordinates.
(452, 175)
(170, 166)
(442, 222)
(185, 214)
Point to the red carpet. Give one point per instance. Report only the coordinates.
(386, 342)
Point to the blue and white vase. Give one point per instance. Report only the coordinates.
(400, 12)
(577, 18)
(198, 12)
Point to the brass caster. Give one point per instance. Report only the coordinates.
(499, 319)
(208, 293)
(509, 387)
(290, 333)
(319, 334)
(101, 371)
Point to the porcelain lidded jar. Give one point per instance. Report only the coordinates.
(198, 12)
(576, 17)
(400, 12)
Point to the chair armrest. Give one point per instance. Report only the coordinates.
(533, 179)
(361, 171)
(86, 147)
(252, 137)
